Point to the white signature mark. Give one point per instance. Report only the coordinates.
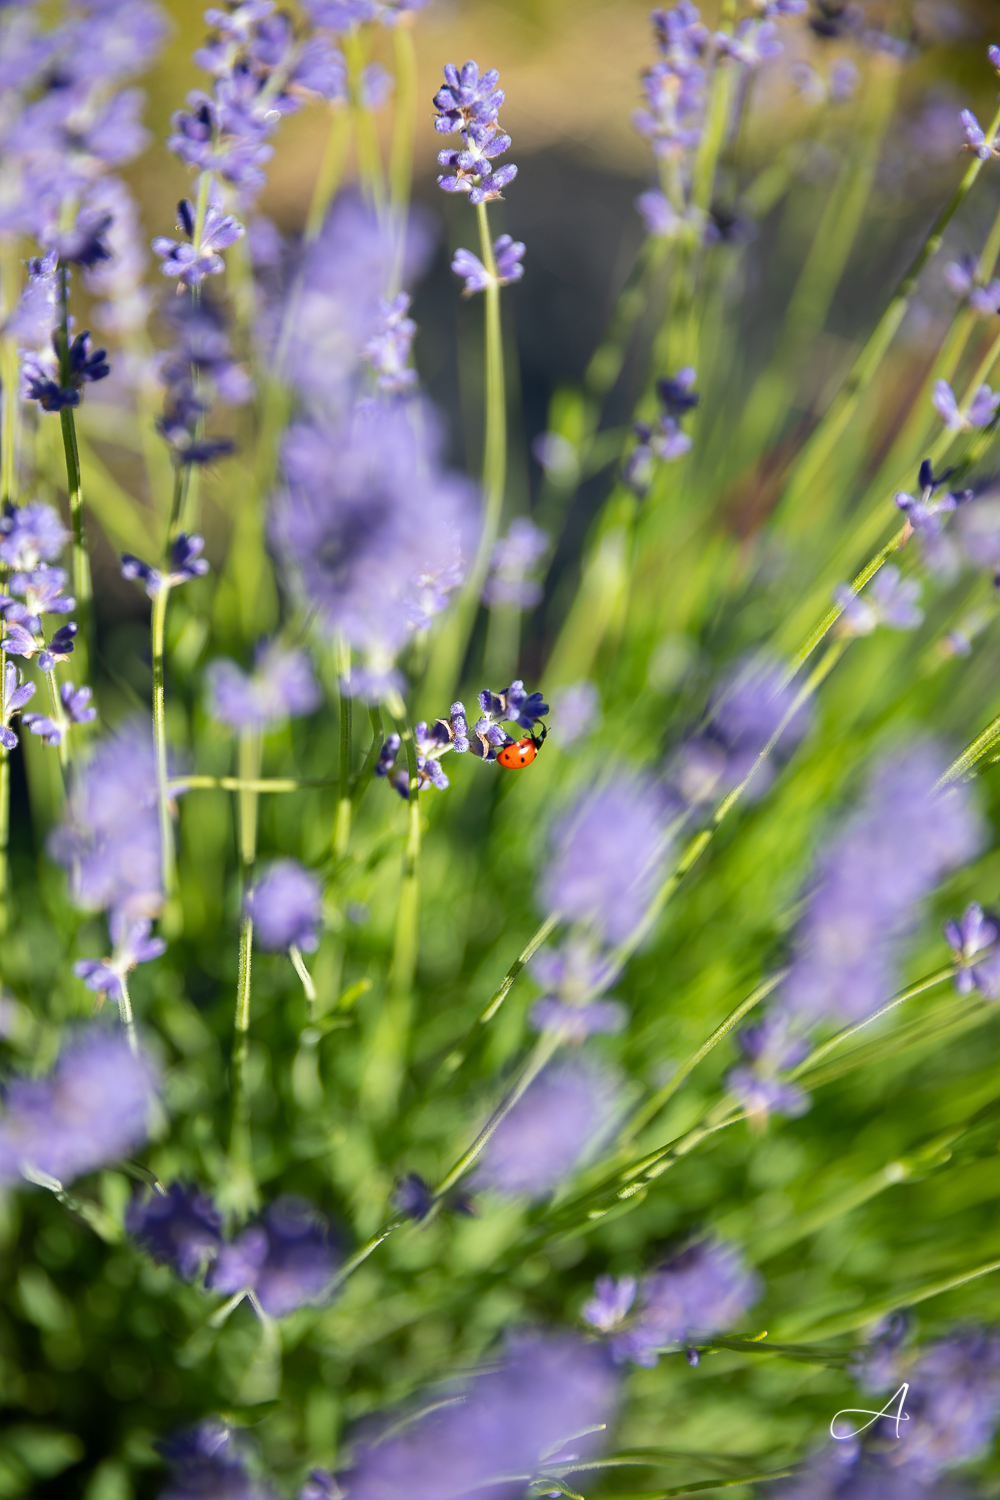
(855, 1411)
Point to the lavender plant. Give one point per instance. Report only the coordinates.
(610, 1106)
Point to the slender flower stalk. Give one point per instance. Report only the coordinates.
(158, 625)
(82, 585)
(342, 825)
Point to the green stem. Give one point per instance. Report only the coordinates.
(11, 412)
(446, 663)
(249, 759)
(4, 838)
(369, 157)
(824, 439)
(158, 631)
(125, 1011)
(243, 1188)
(367, 771)
(401, 150)
(253, 784)
(652, 1107)
(384, 1069)
(342, 823)
(298, 964)
(331, 170)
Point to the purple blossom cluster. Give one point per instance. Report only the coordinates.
(952, 1410)
(109, 840)
(973, 942)
(547, 1391)
(374, 532)
(664, 440)
(88, 1112)
(286, 906)
(67, 117)
(285, 1259)
(572, 977)
(55, 377)
(345, 15)
(507, 256)
(132, 945)
(515, 557)
(262, 68)
(210, 1462)
(979, 412)
(514, 705)
(184, 562)
(702, 1290)
(282, 686)
(197, 371)
(562, 1116)
(468, 105)
(869, 883)
(607, 856)
(751, 705)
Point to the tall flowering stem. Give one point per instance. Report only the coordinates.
(366, 135)
(383, 1075)
(82, 586)
(401, 149)
(342, 825)
(244, 1194)
(828, 433)
(331, 170)
(495, 445)
(158, 626)
(8, 375)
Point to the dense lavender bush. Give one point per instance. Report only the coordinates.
(498, 987)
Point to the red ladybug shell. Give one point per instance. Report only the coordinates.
(515, 757)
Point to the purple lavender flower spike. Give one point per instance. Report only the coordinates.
(190, 263)
(60, 648)
(960, 275)
(560, 1117)
(281, 687)
(514, 556)
(981, 412)
(132, 945)
(954, 1402)
(110, 839)
(985, 300)
(752, 43)
(54, 388)
(209, 1462)
(889, 600)
(185, 563)
(472, 270)
(89, 1111)
(975, 136)
(610, 1303)
(768, 1048)
(287, 1258)
(14, 696)
(33, 319)
(286, 906)
(974, 936)
(869, 883)
(547, 1390)
(388, 350)
(607, 855)
(659, 215)
(181, 1228)
(468, 104)
(321, 1485)
(577, 1022)
(387, 755)
(577, 711)
(508, 254)
(31, 534)
(701, 1291)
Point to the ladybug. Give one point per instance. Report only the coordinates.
(521, 753)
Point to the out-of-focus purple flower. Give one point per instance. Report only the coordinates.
(120, 279)
(561, 1116)
(926, 516)
(189, 262)
(752, 43)
(286, 905)
(769, 1047)
(321, 1485)
(201, 346)
(960, 275)
(30, 534)
(186, 563)
(573, 976)
(664, 440)
(701, 1291)
(373, 530)
(969, 940)
(388, 350)
(84, 242)
(287, 1258)
(42, 593)
(869, 883)
(110, 839)
(659, 215)
(33, 319)
(467, 98)
(132, 945)
(980, 412)
(889, 600)
(607, 856)
(340, 310)
(576, 711)
(953, 1403)
(610, 1303)
(90, 1111)
(15, 694)
(413, 1197)
(508, 254)
(577, 1022)
(549, 1390)
(975, 136)
(514, 557)
(181, 1228)
(282, 686)
(209, 1462)
(56, 383)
